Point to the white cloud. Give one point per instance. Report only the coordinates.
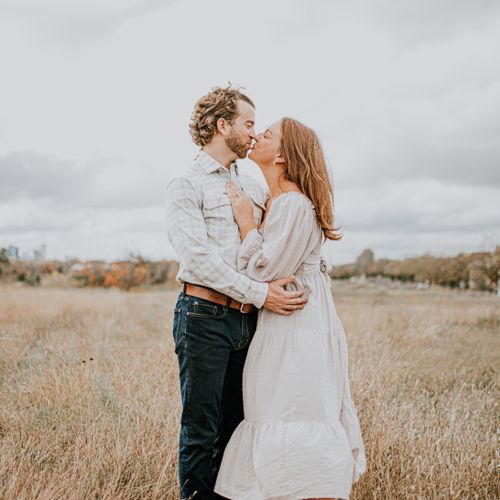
(96, 98)
(58, 24)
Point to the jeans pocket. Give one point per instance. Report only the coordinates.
(177, 327)
(204, 309)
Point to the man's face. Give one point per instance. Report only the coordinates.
(242, 131)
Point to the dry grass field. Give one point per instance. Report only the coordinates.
(89, 399)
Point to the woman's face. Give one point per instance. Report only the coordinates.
(267, 145)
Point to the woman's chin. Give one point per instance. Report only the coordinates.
(254, 156)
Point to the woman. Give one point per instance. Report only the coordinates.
(300, 437)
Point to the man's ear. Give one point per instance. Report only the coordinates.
(222, 126)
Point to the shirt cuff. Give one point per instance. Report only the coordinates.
(258, 293)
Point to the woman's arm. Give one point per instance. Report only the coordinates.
(290, 233)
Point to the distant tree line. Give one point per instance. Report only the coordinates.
(132, 273)
(478, 271)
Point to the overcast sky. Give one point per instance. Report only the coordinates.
(96, 96)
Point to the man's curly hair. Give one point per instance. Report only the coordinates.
(220, 102)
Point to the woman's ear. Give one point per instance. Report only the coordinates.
(278, 159)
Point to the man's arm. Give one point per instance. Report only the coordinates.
(188, 235)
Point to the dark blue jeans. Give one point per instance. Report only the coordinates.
(211, 343)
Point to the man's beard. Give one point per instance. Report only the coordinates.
(233, 143)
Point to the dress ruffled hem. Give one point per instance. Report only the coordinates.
(257, 495)
(272, 460)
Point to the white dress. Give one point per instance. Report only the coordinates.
(300, 437)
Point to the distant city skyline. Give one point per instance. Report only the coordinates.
(96, 98)
(16, 253)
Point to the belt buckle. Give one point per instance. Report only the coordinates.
(241, 308)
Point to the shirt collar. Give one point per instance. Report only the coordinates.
(210, 165)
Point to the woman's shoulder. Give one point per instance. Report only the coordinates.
(292, 210)
(293, 206)
(295, 198)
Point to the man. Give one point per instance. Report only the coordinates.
(216, 313)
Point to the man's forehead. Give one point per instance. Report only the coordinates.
(245, 111)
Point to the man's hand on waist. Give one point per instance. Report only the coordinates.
(282, 301)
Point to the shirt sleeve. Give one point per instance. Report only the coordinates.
(187, 233)
(289, 231)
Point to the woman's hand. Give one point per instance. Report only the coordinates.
(242, 209)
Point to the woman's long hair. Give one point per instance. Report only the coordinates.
(306, 167)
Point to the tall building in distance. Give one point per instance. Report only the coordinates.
(12, 252)
(40, 253)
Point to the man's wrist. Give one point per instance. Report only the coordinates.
(261, 291)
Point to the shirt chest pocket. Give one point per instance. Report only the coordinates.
(217, 208)
(259, 206)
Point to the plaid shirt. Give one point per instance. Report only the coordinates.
(203, 232)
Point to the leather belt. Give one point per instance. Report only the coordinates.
(202, 292)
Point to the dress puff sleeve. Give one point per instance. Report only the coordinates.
(290, 232)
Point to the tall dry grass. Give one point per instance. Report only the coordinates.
(89, 398)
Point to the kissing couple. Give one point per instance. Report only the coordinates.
(263, 363)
